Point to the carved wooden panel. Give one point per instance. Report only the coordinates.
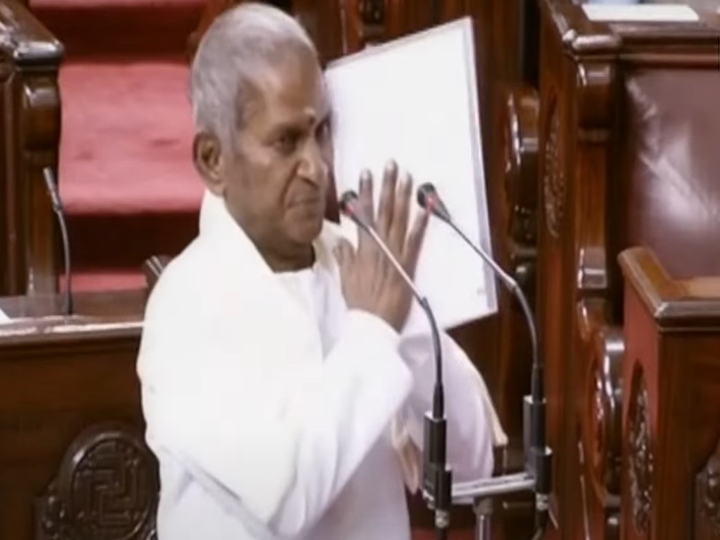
(106, 489)
(517, 248)
(519, 152)
(585, 205)
(601, 425)
(707, 499)
(370, 29)
(553, 180)
(579, 204)
(363, 24)
(605, 411)
(323, 21)
(551, 300)
(640, 455)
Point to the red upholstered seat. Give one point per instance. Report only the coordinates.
(126, 174)
(127, 137)
(104, 279)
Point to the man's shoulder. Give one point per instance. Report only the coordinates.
(187, 277)
(183, 266)
(200, 273)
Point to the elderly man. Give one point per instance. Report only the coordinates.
(281, 398)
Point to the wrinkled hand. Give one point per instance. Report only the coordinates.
(369, 281)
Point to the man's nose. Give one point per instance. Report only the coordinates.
(313, 165)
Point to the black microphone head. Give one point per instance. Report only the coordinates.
(424, 193)
(347, 201)
(429, 200)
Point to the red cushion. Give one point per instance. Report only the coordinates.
(106, 279)
(127, 134)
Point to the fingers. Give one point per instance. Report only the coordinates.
(367, 207)
(365, 194)
(345, 255)
(401, 214)
(387, 199)
(414, 242)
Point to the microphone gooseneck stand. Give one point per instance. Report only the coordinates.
(538, 457)
(437, 475)
(58, 209)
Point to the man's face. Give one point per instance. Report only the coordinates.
(275, 179)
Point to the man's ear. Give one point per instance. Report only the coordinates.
(208, 159)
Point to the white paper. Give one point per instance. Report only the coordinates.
(640, 13)
(4, 319)
(414, 100)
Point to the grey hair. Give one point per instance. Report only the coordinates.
(238, 43)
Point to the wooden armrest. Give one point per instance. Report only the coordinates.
(520, 152)
(153, 267)
(30, 57)
(672, 302)
(24, 39)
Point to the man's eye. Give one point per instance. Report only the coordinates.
(286, 143)
(323, 130)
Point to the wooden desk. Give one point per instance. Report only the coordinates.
(70, 420)
(671, 403)
(99, 307)
(624, 158)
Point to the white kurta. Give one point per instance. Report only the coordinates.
(275, 412)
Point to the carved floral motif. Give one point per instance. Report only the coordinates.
(519, 216)
(640, 458)
(605, 413)
(554, 186)
(106, 489)
(601, 450)
(707, 499)
(371, 11)
(371, 17)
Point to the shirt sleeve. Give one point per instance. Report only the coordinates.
(472, 425)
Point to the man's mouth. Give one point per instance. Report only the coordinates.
(308, 201)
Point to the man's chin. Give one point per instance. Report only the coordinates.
(307, 230)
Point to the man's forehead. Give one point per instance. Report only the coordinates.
(294, 91)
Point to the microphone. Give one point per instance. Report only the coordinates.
(538, 457)
(58, 209)
(437, 475)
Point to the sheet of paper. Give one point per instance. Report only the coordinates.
(4, 319)
(414, 100)
(640, 13)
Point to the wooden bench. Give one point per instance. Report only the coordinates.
(626, 158)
